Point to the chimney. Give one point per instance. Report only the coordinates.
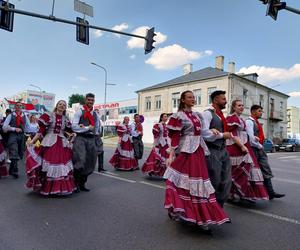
(220, 62)
(187, 68)
(231, 67)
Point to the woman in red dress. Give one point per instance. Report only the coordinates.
(49, 167)
(247, 179)
(156, 162)
(123, 158)
(189, 193)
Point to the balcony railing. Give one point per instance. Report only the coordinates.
(276, 115)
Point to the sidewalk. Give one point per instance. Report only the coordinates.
(113, 141)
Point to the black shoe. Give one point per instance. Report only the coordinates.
(101, 170)
(205, 230)
(15, 175)
(84, 189)
(275, 195)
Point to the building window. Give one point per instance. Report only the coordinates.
(148, 103)
(197, 93)
(281, 105)
(261, 100)
(245, 97)
(209, 91)
(175, 99)
(158, 102)
(127, 110)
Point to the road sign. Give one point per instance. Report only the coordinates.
(83, 8)
(82, 32)
(6, 17)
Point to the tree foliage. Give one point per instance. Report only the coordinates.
(76, 98)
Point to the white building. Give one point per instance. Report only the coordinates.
(164, 97)
(293, 122)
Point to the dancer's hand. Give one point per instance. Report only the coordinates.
(227, 135)
(256, 138)
(18, 130)
(245, 150)
(168, 162)
(215, 131)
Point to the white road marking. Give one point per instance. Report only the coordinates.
(288, 171)
(287, 180)
(150, 184)
(289, 157)
(115, 177)
(274, 216)
(107, 172)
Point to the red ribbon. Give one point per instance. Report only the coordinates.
(260, 131)
(19, 119)
(139, 127)
(87, 115)
(221, 115)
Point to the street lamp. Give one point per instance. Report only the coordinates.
(35, 86)
(105, 89)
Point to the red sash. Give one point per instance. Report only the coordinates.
(221, 115)
(260, 131)
(19, 119)
(87, 115)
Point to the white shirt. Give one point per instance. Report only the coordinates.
(8, 128)
(75, 123)
(250, 132)
(207, 117)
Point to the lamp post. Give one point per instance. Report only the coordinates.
(105, 90)
(40, 104)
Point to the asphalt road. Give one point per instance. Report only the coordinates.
(124, 210)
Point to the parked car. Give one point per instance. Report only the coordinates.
(269, 146)
(289, 145)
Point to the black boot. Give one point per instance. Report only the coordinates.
(271, 192)
(13, 168)
(100, 162)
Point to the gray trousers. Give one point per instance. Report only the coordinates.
(262, 159)
(84, 158)
(16, 145)
(138, 147)
(99, 151)
(219, 171)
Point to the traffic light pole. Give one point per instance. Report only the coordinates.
(60, 20)
(292, 10)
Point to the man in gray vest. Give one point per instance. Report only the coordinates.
(256, 138)
(218, 162)
(99, 145)
(85, 124)
(15, 125)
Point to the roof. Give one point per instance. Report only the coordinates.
(201, 74)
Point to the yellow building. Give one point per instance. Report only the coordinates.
(293, 122)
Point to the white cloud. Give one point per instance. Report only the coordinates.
(129, 85)
(120, 27)
(135, 42)
(174, 55)
(82, 78)
(133, 56)
(268, 74)
(74, 87)
(294, 94)
(97, 33)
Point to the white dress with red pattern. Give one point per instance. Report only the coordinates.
(156, 161)
(49, 167)
(247, 178)
(3, 168)
(190, 195)
(123, 158)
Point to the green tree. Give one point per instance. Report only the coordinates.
(76, 98)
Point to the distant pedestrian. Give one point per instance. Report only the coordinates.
(155, 164)
(99, 145)
(123, 158)
(16, 124)
(86, 125)
(137, 136)
(256, 135)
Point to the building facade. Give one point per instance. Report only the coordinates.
(293, 122)
(164, 97)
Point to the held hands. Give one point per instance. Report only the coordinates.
(245, 150)
(18, 130)
(227, 135)
(169, 161)
(91, 127)
(215, 131)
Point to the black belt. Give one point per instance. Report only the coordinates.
(86, 135)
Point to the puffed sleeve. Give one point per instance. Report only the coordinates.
(155, 131)
(44, 122)
(233, 123)
(174, 126)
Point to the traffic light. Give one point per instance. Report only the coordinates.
(6, 17)
(273, 7)
(82, 32)
(149, 41)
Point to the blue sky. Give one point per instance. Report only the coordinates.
(46, 53)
